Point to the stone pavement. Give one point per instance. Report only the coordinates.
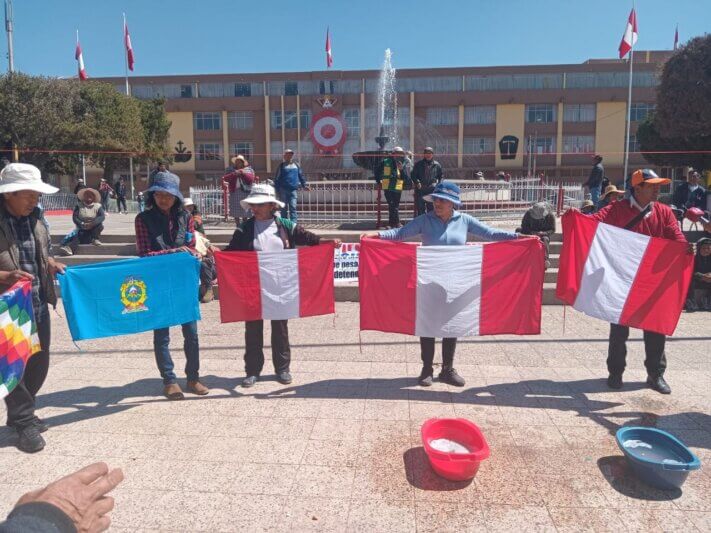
(340, 449)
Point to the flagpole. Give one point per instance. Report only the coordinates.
(629, 116)
(128, 93)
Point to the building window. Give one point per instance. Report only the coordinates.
(326, 87)
(429, 85)
(541, 145)
(289, 119)
(508, 82)
(245, 148)
(640, 111)
(351, 115)
(579, 113)
(480, 114)
(446, 146)
(540, 113)
(633, 145)
(243, 89)
(578, 144)
(442, 116)
(478, 145)
(291, 88)
(598, 80)
(240, 120)
(186, 91)
(305, 119)
(209, 152)
(208, 121)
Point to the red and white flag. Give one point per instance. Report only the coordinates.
(676, 37)
(621, 276)
(630, 36)
(451, 291)
(127, 43)
(275, 285)
(329, 56)
(80, 61)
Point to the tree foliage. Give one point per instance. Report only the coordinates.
(682, 120)
(52, 121)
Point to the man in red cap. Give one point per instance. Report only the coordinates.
(641, 213)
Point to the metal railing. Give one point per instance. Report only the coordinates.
(63, 201)
(336, 203)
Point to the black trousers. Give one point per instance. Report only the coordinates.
(85, 236)
(393, 200)
(21, 401)
(427, 348)
(254, 339)
(121, 201)
(655, 360)
(422, 207)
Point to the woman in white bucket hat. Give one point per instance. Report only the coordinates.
(25, 255)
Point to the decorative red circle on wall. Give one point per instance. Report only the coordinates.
(328, 131)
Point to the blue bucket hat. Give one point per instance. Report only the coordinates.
(167, 182)
(445, 190)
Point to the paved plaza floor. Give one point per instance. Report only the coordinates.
(340, 448)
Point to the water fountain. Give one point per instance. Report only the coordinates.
(387, 117)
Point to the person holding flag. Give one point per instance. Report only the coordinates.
(25, 254)
(444, 225)
(267, 232)
(166, 227)
(641, 213)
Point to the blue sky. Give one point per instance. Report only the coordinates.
(219, 36)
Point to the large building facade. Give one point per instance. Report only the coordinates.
(515, 119)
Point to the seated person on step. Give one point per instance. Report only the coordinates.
(89, 217)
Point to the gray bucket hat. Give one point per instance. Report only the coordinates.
(167, 182)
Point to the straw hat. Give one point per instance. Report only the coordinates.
(96, 197)
(610, 189)
(241, 158)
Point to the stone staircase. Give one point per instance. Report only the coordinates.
(118, 247)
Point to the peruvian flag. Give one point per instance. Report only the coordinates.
(621, 276)
(329, 56)
(676, 37)
(275, 285)
(630, 36)
(451, 291)
(127, 43)
(80, 61)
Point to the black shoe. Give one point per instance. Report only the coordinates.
(659, 384)
(249, 381)
(450, 376)
(30, 439)
(614, 381)
(425, 378)
(284, 378)
(40, 424)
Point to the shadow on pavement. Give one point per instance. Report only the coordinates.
(621, 478)
(421, 476)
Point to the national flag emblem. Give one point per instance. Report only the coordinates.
(621, 276)
(630, 36)
(129, 48)
(329, 56)
(451, 291)
(276, 285)
(80, 62)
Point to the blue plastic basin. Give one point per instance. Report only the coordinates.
(658, 458)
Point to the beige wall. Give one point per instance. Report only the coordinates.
(182, 130)
(510, 121)
(610, 132)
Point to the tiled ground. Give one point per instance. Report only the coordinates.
(340, 449)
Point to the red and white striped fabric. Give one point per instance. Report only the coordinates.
(329, 56)
(275, 285)
(621, 276)
(629, 38)
(130, 60)
(80, 62)
(451, 291)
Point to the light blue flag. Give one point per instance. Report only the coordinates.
(131, 295)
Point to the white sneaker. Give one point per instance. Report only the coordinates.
(96, 242)
(66, 251)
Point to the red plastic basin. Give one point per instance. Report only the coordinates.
(455, 466)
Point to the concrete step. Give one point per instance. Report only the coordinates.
(75, 260)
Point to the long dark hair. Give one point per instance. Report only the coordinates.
(151, 203)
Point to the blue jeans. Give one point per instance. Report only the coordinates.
(288, 196)
(161, 347)
(595, 195)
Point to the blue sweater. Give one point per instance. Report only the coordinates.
(454, 232)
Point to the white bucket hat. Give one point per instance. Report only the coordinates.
(188, 202)
(261, 193)
(23, 177)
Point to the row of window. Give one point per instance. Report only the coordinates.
(435, 116)
(212, 151)
(496, 82)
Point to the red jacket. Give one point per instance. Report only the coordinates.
(660, 223)
(245, 175)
